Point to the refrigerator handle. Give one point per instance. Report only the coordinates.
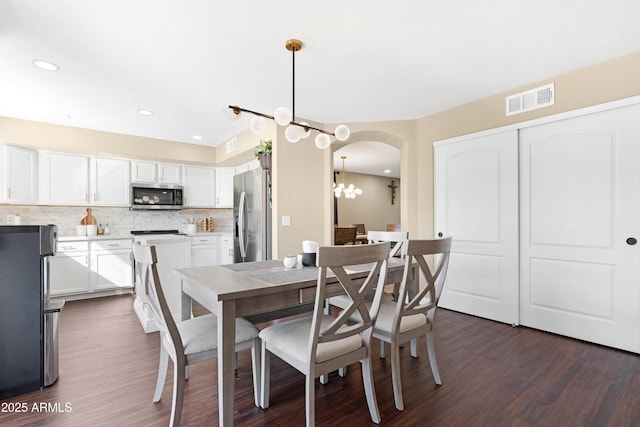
(242, 225)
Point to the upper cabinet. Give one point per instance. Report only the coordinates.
(63, 178)
(110, 183)
(224, 187)
(19, 178)
(73, 179)
(199, 186)
(156, 173)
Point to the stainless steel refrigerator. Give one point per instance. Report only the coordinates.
(252, 215)
(28, 318)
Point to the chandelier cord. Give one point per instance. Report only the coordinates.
(293, 86)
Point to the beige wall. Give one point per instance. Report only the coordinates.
(302, 174)
(373, 208)
(70, 139)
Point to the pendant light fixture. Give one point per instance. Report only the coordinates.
(351, 191)
(295, 131)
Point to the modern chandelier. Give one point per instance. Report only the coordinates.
(295, 131)
(349, 192)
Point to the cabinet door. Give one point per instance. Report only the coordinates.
(225, 252)
(110, 182)
(63, 178)
(169, 173)
(69, 271)
(224, 187)
(143, 172)
(19, 175)
(199, 188)
(111, 269)
(203, 255)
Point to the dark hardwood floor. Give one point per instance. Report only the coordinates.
(493, 375)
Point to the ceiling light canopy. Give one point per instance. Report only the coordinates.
(295, 131)
(45, 65)
(350, 191)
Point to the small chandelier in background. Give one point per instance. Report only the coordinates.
(350, 192)
(295, 131)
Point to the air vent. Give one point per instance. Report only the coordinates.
(232, 144)
(533, 99)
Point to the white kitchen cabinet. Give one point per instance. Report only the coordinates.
(224, 187)
(204, 250)
(63, 178)
(69, 271)
(225, 249)
(18, 182)
(110, 183)
(199, 186)
(156, 173)
(111, 264)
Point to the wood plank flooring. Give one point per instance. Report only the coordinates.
(493, 375)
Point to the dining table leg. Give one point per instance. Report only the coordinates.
(226, 350)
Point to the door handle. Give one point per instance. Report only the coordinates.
(632, 241)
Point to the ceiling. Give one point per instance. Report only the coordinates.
(362, 60)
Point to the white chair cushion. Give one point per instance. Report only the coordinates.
(384, 320)
(201, 333)
(293, 337)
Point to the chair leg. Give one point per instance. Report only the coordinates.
(310, 400)
(324, 379)
(264, 373)
(342, 371)
(369, 389)
(162, 373)
(382, 349)
(431, 350)
(178, 393)
(255, 367)
(414, 347)
(395, 376)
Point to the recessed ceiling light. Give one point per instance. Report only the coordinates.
(387, 171)
(143, 112)
(45, 65)
(61, 116)
(198, 137)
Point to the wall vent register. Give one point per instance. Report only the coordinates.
(543, 96)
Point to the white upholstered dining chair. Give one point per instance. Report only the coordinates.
(321, 343)
(413, 313)
(190, 341)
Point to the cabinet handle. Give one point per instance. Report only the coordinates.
(115, 245)
(68, 248)
(86, 197)
(95, 197)
(8, 193)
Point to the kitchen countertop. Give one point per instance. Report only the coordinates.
(129, 236)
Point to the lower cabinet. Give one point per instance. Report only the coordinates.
(204, 250)
(81, 269)
(225, 252)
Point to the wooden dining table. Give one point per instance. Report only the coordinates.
(249, 289)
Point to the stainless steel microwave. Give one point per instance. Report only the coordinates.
(156, 196)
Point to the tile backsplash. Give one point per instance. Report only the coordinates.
(121, 220)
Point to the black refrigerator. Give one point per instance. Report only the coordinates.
(28, 317)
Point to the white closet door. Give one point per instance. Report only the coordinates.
(476, 202)
(580, 210)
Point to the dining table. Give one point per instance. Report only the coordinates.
(255, 288)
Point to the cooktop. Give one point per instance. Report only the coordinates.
(145, 232)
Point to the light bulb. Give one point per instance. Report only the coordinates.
(342, 133)
(351, 187)
(292, 133)
(322, 141)
(258, 125)
(282, 116)
(358, 191)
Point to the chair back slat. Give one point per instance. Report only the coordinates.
(400, 238)
(335, 259)
(426, 299)
(147, 267)
(345, 235)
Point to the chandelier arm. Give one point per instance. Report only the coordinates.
(237, 110)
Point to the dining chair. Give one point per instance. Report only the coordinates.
(413, 313)
(361, 233)
(394, 227)
(322, 343)
(344, 235)
(190, 341)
